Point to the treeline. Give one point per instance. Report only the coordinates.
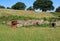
(3, 7)
(44, 5)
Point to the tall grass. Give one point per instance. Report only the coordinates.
(29, 34)
(27, 13)
(15, 17)
(56, 14)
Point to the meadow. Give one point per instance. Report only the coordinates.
(29, 33)
(26, 13)
(9, 14)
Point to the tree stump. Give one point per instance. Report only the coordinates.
(14, 24)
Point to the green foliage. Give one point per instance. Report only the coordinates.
(8, 8)
(19, 6)
(57, 14)
(44, 19)
(2, 6)
(43, 5)
(14, 17)
(30, 8)
(58, 9)
(53, 19)
(44, 25)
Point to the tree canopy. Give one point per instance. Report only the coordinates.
(2, 6)
(58, 9)
(8, 8)
(30, 8)
(43, 5)
(19, 6)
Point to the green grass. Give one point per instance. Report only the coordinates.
(29, 34)
(14, 17)
(56, 14)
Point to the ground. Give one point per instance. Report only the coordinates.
(29, 33)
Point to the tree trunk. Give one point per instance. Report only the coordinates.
(43, 10)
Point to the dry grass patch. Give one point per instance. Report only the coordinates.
(27, 13)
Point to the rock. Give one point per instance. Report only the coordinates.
(46, 22)
(58, 23)
(21, 23)
(36, 24)
(9, 23)
(4, 22)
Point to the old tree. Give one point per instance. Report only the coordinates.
(43, 5)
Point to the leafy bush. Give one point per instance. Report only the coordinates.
(44, 25)
(56, 14)
(44, 19)
(52, 19)
(57, 9)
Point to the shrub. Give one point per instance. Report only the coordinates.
(44, 25)
(44, 19)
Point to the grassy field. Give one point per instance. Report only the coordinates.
(26, 13)
(56, 14)
(29, 34)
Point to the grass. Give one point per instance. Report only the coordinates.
(14, 17)
(26, 13)
(56, 14)
(9, 14)
(29, 34)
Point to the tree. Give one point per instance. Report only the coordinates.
(8, 8)
(2, 6)
(19, 6)
(30, 8)
(43, 5)
(58, 9)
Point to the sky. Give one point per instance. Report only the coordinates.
(9, 3)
